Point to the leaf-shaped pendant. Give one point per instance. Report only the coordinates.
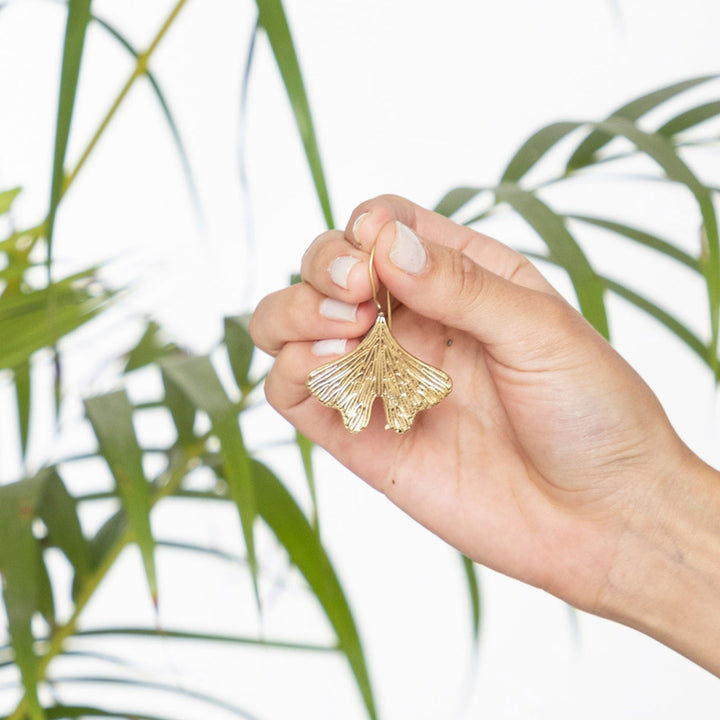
(379, 367)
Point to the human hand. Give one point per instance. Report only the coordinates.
(549, 446)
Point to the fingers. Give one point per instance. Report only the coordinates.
(337, 269)
(443, 284)
(371, 216)
(300, 314)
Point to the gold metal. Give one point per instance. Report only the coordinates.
(379, 367)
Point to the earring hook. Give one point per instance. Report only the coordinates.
(374, 290)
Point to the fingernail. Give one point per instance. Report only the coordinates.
(356, 226)
(340, 269)
(337, 310)
(322, 348)
(407, 251)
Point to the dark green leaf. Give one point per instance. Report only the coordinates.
(22, 393)
(111, 418)
(292, 529)
(182, 411)
(535, 147)
(150, 348)
(106, 537)
(456, 198)
(271, 17)
(22, 581)
(7, 197)
(45, 601)
(642, 237)
(690, 118)
(634, 110)
(563, 248)
(77, 21)
(474, 591)
(240, 348)
(58, 511)
(197, 379)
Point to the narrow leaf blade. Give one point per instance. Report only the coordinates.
(292, 529)
(196, 378)
(111, 418)
(564, 249)
(271, 17)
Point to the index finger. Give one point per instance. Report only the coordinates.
(370, 217)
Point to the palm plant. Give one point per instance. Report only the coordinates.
(204, 397)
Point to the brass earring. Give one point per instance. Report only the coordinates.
(379, 367)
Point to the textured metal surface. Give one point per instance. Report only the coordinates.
(379, 367)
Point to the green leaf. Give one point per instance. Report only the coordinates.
(642, 237)
(474, 591)
(77, 21)
(292, 529)
(535, 147)
(662, 316)
(240, 349)
(22, 579)
(7, 197)
(57, 509)
(271, 17)
(174, 131)
(305, 446)
(457, 198)
(690, 118)
(173, 689)
(634, 110)
(62, 712)
(182, 411)
(111, 418)
(164, 633)
(38, 319)
(197, 379)
(149, 349)
(21, 376)
(564, 249)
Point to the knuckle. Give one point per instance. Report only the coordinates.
(469, 281)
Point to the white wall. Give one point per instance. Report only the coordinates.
(411, 98)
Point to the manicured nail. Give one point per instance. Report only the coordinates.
(340, 269)
(356, 226)
(322, 348)
(407, 251)
(337, 310)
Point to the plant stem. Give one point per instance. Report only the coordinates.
(140, 69)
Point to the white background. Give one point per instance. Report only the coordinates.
(408, 97)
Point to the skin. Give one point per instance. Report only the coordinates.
(551, 461)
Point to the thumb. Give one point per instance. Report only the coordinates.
(444, 284)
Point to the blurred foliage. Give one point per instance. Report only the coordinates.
(38, 513)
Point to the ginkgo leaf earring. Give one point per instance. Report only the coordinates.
(379, 367)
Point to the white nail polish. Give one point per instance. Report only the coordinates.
(356, 225)
(407, 251)
(340, 269)
(337, 310)
(322, 348)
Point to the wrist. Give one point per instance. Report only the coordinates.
(665, 579)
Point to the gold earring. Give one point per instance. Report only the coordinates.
(379, 367)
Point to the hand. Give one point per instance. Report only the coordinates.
(549, 448)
